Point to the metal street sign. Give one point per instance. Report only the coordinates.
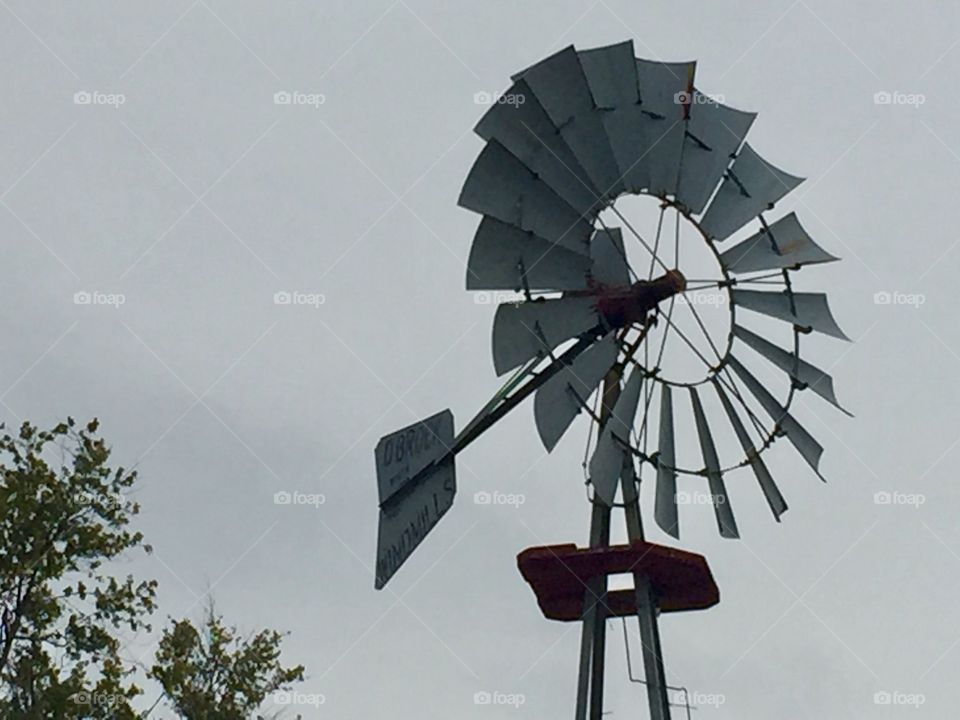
(409, 515)
(403, 454)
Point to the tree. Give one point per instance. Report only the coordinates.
(62, 611)
(64, 515)
(212, 673)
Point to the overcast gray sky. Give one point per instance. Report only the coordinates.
(183, 190)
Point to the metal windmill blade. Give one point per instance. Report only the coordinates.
(782, 245)
(504, 257)
(528, 330)
(560, 87)
(751, 186)
(501, 186)
(642, 119)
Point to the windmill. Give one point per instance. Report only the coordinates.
(595, 125)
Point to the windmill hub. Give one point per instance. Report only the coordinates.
(624, 305)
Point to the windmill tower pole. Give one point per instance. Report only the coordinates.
(647, 609)
(593, 634)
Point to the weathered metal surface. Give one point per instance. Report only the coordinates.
(752, 186)
(525, 330)
(803, 441)
(504, 257)
(771, 492)
(800, 370)
(665, 501)
(520, 124)
(561, 399)
(681, 580)
(785, 244)
(407, 518)
(714, 134)
(607, 460)
(726, 522)
(559, 84)
(503, 187)
(404, 453)
(805, 310)
(609, 258)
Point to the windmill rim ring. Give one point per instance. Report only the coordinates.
(769, 436)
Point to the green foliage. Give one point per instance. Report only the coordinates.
(209, 672)
(64, 515)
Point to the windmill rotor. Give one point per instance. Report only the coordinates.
(584, 114)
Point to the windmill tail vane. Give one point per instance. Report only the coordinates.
(595, 125)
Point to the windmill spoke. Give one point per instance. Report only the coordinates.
(731, 384)
(706, 285)
(703, 328)
(656, 243)
(646, 245)
(676, 241)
